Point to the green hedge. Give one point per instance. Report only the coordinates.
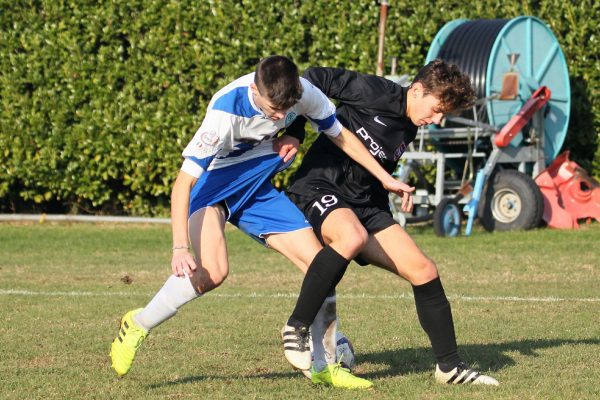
(99, 98)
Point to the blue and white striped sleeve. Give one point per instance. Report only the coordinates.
(319, 110)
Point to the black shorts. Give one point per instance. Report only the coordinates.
(317, 206)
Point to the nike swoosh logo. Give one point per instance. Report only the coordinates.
(378, 120)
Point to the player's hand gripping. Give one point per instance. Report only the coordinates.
(182, 262)
(286, 146)
(403, 191)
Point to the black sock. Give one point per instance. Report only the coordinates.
(435, 316)
(324, 273)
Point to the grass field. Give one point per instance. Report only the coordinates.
(526, 308)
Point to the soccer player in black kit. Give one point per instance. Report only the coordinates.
(348, 208)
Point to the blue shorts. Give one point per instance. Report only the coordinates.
(251, 201)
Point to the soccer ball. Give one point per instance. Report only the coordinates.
(344, 352)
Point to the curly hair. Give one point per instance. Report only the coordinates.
(448, 83)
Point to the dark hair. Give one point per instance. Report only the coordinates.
(277, 78)
(447, 83)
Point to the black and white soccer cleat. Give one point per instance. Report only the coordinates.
(462, 375)
(296, 346)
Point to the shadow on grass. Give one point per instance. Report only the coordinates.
(224, 377)
(487, 357)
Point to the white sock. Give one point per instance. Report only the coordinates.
(175, 293)
(323, 331)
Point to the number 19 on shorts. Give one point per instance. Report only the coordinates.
(325, 202)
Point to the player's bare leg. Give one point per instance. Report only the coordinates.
(326, 370)
(303, 248)
(206, 231)
(207, 236)
(342, 230)
(394, 250)
(300, 247)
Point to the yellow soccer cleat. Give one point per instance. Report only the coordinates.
(336, 376)
(127, 343)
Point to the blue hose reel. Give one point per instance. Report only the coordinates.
(508, 60)
(487, 49)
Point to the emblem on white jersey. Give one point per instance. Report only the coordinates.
(208, 139)
(380, 122)
(290, 118)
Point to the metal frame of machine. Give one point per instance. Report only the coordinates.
(445, 196)
(485, 160)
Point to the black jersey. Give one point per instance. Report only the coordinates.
(372, 107)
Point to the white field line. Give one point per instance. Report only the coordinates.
(41, 218)
(16, 292)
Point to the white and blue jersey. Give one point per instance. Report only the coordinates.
(235, 129)
(232, 156)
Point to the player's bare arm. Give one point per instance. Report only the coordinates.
(182, 261)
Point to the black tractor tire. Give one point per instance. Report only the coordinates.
(511, 201)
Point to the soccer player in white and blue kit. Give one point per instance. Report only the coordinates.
(225, 176)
